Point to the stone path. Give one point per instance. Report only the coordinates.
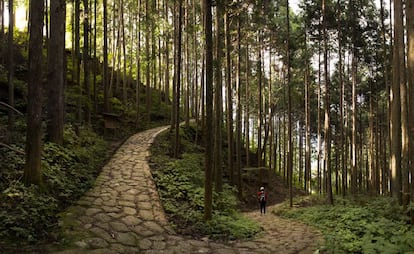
(123, 214)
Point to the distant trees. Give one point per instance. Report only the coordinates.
(277, 104)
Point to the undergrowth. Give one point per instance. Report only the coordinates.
(362, 225)
(28, 213)
(180, 184)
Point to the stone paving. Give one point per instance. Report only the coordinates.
(122, 213)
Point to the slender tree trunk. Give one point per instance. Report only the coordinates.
(238, 113)
(247, 106)
(405, 194)
(229, 90)
(32, 170)
(208, 195)
(56, 75)
(327, 111)
(124, 42)
(290, 143)
(95, 60)
(260, 108)
(10, 76)
(105, 57)
(318, 176)
(342, 146)
(218, 104)
(187, 67)
(397, 83)
(77, 60)
(148, 59)
(1, 21)
(410, 82)
(86, 71)
(308, 145)
(354, 160)
(177, 77)
(138, 62)
(385, 167)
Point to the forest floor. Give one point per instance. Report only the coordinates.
(122, 213)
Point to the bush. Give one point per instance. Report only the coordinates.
(180, 184)
(29, 212)
(359, 226)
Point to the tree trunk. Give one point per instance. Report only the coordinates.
(354, 160)
(32, 170)
(177, 77)
(56, 75)
(148, 60)
(290, 143)
(208, 195)
(230, 151)
(77, 59)
(86, 58)
(405, 194)
(395, 128)
(218, 104)
(260, 107)
(1, 22)
(10, 76)
(138, 62)
(247, 109)
(308, 145)
(105, 56)
(410, 82)
(327, 127)
(238, 113)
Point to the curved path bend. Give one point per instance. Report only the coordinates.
(122, 213)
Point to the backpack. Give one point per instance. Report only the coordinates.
(262, 197)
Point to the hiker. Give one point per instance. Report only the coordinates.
(262, 198)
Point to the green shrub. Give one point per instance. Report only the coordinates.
(26, 213)
(180, 183)
(374, 225)
(29, 213)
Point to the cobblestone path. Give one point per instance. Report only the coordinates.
(122, 213)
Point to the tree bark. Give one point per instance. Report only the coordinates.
(105, 77)
(395, 128)
(238, 113)
(218, 104)
(10, 76)
(410, 82)
(86, 58)
(177, 76)
(32, 170)
(208, 195)
(230, 152)
(327, 103)
(290, 143)
(56, 75)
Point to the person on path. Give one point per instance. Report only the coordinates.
(262, 198)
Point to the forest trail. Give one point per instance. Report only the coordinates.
(122, 213)
(285, 236)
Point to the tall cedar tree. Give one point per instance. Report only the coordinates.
(55, 72)
(208, 188)
(32, 170)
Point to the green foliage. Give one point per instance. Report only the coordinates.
(181, 186)
(28, 213)
(375, 225)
